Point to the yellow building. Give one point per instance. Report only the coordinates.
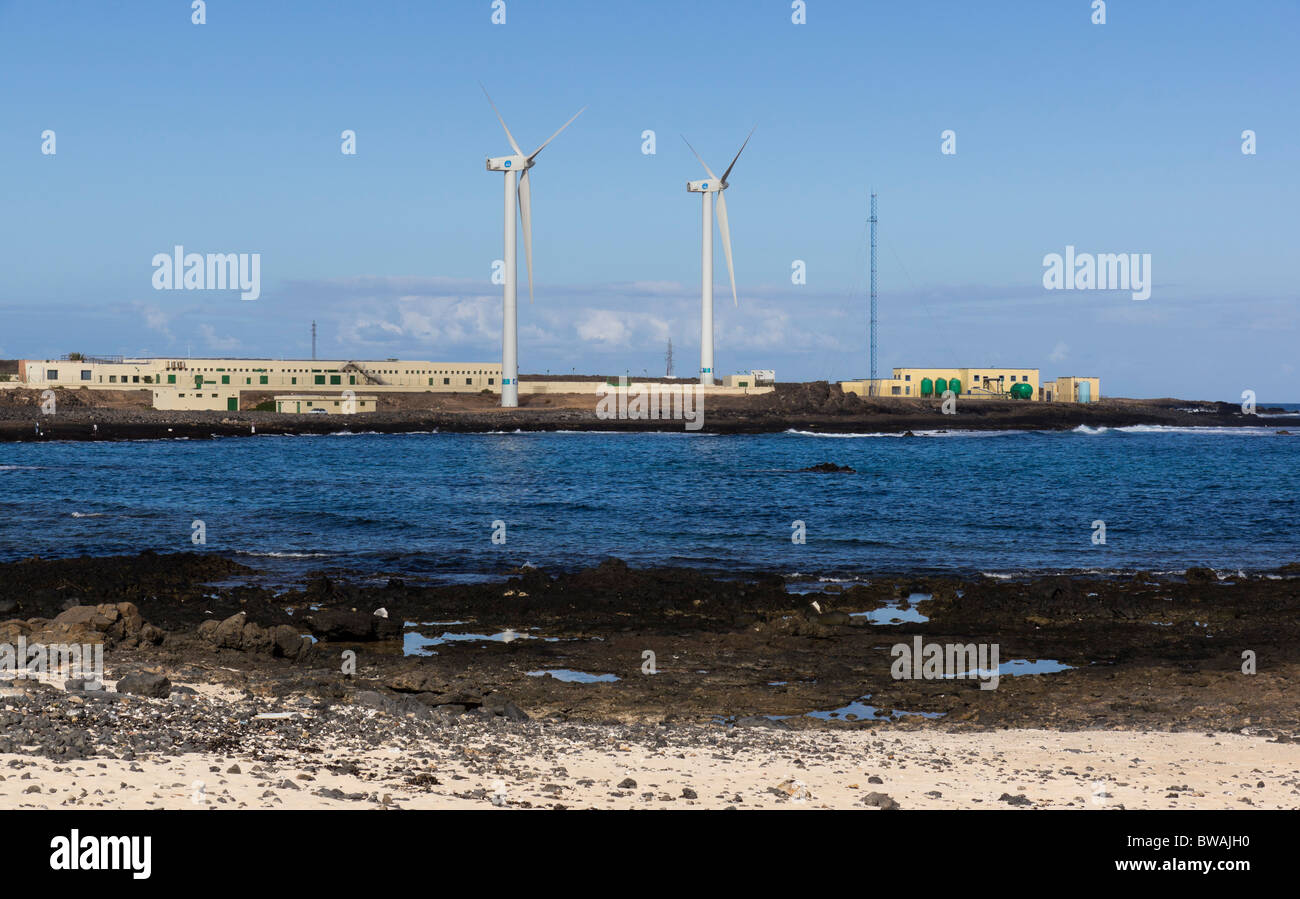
(252, 374)
(1074, 390)
(335, 405)
(926, 382)
(989, 382)
(217, 384)
(190, 400)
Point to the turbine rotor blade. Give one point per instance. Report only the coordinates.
(526, 219)
(738, 152)
(510, 137)
(702, 162)
(725, 228)
(557, 133)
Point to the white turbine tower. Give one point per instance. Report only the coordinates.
(516, 187)
(713, 185)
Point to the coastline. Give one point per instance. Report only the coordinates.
(753, 687)
(815, 408)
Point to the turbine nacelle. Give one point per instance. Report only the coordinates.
(706, 186)
(509, 163)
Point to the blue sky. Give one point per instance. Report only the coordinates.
(225, 137)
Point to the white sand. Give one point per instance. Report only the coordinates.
(970, 770)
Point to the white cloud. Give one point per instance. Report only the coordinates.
(1059, 352)
(223, 344)
(157, 320)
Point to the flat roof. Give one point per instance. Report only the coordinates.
(133, 360)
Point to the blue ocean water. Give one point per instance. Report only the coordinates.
(424, 504)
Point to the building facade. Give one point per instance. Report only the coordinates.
(989, 382)
(217, 384)
(198, 374)
(306, 403)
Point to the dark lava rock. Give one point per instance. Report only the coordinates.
(688, 793)
(627, 784)
(880, 801)
(81, 684)
(347, 626)
(154, 685)
(829, 468)
(506, 709)
(834, 619)
(237, 632)
(1199, 575)
(1018, 799)
(760, 721)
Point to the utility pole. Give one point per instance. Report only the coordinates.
(668, 358)
(313, 340)
(873, 291)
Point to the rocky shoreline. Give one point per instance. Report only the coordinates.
(817, 407)
(541, 661)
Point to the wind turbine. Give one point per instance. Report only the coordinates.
(517, 190)
(712, 185)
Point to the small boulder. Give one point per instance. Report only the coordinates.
(154, 685)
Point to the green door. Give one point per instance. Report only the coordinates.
(232, 404)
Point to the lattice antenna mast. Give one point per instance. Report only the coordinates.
(873, 286)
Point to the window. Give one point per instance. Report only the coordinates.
(85, 374)
(907, 377)
(294, 380)
(492, 380)
(171, 379)
(896, 391)
(446, 380)
(52, 374)
(225, 379)
(112, 379)
(320, 379)
(135, 379)
(908, 390)
(262, 379)
(469, 381)
(336, 379)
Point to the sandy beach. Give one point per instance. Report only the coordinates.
(597, 767)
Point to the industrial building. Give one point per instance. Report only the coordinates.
(335, 405)
(118, 373)
(979, 383)
(215, 384)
